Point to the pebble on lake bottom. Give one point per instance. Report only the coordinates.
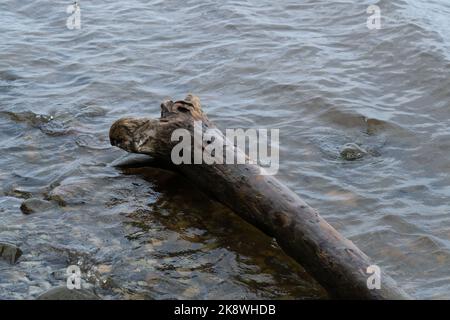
(9, 252)
(33, 205)
(63, 293)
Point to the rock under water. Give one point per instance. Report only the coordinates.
(63, 293)
(9, 252)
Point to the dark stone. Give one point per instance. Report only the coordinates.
(63, 293)
(9, 252)
(35, 205)
(17, 193)
(352, 151)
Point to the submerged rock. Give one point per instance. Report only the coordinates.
(8, 75)
(46, 123)
(9, 252)
(35, 205)
(17, 193)
(352, 151)
(73, 191)
(63, 293)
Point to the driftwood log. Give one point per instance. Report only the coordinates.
(334, 261)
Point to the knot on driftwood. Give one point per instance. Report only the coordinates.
(189, 107)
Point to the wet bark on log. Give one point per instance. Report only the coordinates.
(262, 200)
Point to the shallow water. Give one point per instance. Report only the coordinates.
(310, 68)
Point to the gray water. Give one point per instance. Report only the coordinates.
(310, 68)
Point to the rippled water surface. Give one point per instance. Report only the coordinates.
(310, 68)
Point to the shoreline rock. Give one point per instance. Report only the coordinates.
(352, 151)
(63, 293)
(9, 252)
(33, 205)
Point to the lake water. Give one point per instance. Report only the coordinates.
(310, 68)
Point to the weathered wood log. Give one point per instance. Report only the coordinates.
(334, 261)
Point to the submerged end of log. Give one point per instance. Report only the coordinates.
(262, 200)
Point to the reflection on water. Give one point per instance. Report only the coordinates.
(310, 68)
